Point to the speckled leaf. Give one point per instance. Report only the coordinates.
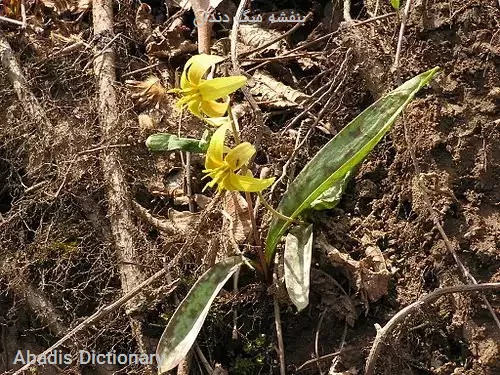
(169, 142)
(331, 196)
(341, 154)
(297, 259)
(184, 326)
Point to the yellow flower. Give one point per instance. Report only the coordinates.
(202, 95)
(223, 169)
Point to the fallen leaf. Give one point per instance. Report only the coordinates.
(184, 221)
(239, 224)
(169, 44)
(370, 274)
(255, 37)
(278, 95)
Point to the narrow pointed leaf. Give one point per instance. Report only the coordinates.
(341, 154)
(170, 142)
(297, 258)
(184, 326)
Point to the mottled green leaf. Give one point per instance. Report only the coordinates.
(341, 154)
(184, 326)
(297, 259)
(395, 4)
(331, 196)
(170, 142)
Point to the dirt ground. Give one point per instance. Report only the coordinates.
(59, 260)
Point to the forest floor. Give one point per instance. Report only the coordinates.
(87, 212)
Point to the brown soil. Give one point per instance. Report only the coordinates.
(56, 244)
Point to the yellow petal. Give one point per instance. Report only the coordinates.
(220, 87)
(194, 107)
(214, 158)
(197, 66)
(214, 109)
(240, 155)
(246, 183)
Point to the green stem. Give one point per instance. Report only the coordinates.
(276, 213)
(258, 241)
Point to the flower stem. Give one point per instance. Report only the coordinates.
(276, 213)
(248, 197)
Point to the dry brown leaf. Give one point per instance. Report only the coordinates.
(255, 37)
(147, 93)
(184, 221)
(278, 95)
(169, 44)
(202, 200)
(370, 274)
(237, 208)
(374, 275)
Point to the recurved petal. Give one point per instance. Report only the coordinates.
(197, 66)
(246, 183)
(194, 107)
(221, 87)
(240, 155)
(214, 158)
(214, 109)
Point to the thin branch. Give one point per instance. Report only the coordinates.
(99, 314)
(404, 17)
(279, 335)
(347, 11)
(314, 360)
(397, 319)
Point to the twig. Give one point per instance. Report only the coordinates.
(259, 118)
(103, 50)
(314, 360)
(260, 126)
(347, 11)
(141, 70)
(326, 36)
(383, 333)
(202, 359)
(316, 339)
(162, 225)
(101, 313)
(404, 17)
(311, 105)
(105, 147)
(279, 332)
(280, 37)
(23, 14)
(298, 145)
(204, 28)
(26, 97)
(10, 20)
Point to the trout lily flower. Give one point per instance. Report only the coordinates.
(206, 96)
(223, 170)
